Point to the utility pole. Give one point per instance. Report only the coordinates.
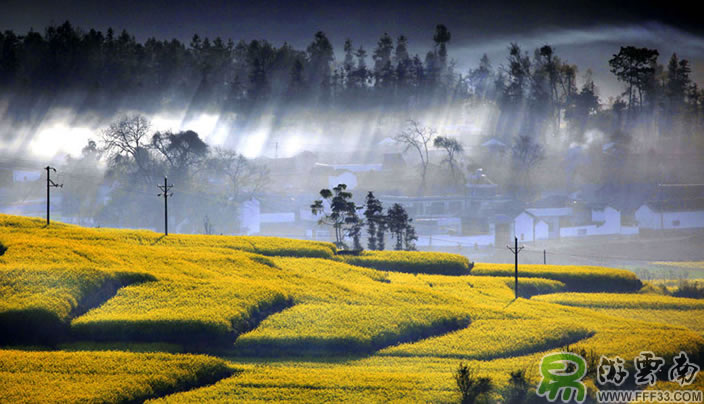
(545, 260)
(515, 252)
(166, 194)
(49, 185)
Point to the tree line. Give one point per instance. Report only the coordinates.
(210, 181)
(337, 210)
(535, 94)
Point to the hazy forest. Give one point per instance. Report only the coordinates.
(220, 215)
(538, 104)
(533, 90)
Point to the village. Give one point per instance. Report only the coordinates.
(476, 217)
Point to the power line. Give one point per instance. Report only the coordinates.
(515, 250)
(49, 184)
(165, 193)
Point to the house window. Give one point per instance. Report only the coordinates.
(455, 206)
(675, 223)
(522, 237)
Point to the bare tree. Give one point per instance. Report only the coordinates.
(128, 139)
(246, 178)
(526, 153)
(418, 138)
(452, 147)
(127, 136)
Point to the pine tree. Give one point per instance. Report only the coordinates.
(398, 222)
(342, 215)
(410, 237)
(374, 211)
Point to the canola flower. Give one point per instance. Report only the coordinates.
(69, 377)
(412, 262)
(385, 335)
(623, 301)
(576, 278)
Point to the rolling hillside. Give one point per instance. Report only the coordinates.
(122, 315)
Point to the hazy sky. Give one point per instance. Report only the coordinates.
(583, 32)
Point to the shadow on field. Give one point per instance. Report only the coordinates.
(323, 347)
(43, 326)
(158, 239)
(194, 336)
(202, 379)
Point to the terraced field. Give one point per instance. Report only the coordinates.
(108, 315)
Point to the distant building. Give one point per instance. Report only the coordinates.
(528, 227)
(479, 185)
(673, 206)
(604, 221)
(25, 176)
(494, 145)
(554, 211)
(250, 217)
(674, 214)
(346, 178)
(355, 168)
(429, 206)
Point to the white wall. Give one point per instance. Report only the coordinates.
(629, 230)
(250, 217)
(647, 218)
(542, 231)
(346, 178)
(611, 218)
(687, 220)
(578, 231)
(523, 227)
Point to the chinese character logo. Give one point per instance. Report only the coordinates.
(611, 371)
(562, 371)
(683, 371)
(647, 365)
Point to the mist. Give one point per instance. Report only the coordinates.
(540, 127)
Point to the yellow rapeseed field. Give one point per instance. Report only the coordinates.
(297, 322)
(623, 301)
(577, 278)
(70, 377)
(412, 262)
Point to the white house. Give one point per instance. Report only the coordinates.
(250, 217)
(551, 216)
(494, 145)
(609, 218)
(684, 214)
(346, 178)
(528, 227)
(605, 221)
